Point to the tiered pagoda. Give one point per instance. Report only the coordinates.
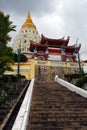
(27, 32)
(54, 49)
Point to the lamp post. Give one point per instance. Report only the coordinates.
(19, 51)
(77, 51)
(18, 70)
(80, 68)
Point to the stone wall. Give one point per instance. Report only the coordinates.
(45, 73)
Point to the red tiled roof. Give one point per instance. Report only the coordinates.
(54, 42)
(73, 47)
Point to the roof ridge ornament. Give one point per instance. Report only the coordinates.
(76, 45)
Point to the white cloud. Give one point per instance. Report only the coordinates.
(50, 25)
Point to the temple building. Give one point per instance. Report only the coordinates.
(41, 47)
(43, 51)
(54, 49)
(27, 32)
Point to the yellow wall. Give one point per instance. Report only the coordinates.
(28, 68)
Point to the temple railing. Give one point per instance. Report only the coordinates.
(23, 114)
(56, 63)
(71, 87)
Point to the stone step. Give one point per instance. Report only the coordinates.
(54, 107)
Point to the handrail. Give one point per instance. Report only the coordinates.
(71, 87)
(23, 114)
(5, 121)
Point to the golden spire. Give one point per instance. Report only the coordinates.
(28, 23)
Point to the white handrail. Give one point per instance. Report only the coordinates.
(23, 114)
(72, 87)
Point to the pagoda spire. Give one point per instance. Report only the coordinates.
(28, 23)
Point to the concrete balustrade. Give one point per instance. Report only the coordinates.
(72, 87)
(23, 114)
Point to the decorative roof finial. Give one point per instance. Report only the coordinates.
(77, 41)
(68, 37)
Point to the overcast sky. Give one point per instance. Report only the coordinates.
(53, 18)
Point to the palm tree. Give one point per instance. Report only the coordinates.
(5, 58)
(5, 27)
(5, 51)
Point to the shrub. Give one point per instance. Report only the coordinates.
(23, 58)
(81, 81)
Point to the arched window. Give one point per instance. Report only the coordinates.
(25, 41)
(41, 58)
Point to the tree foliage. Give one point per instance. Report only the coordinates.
(81, 81)
(5, 58)
(5, 27)
(5, 51)
(23, 58)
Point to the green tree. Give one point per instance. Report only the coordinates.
(5, 51)
(23, 58)
(5, 27)
(5, 58)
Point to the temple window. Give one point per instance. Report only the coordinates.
(25, 41)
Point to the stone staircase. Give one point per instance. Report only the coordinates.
(54, 107)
